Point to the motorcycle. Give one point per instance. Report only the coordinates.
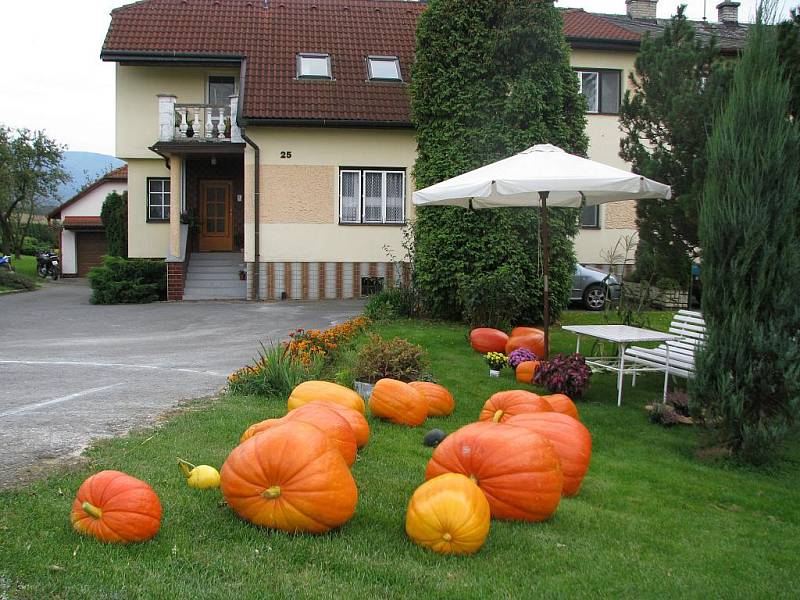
(47, 264)
(5, 262)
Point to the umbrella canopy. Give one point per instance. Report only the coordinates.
(571, 181)
(541, 176)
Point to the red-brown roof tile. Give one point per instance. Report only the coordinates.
(82, 222)
(271, 34)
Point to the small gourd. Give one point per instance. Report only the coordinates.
(202, 477)
(433, 438)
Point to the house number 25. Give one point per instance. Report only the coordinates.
(286, 154)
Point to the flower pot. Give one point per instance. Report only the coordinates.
(494, 373)
(364, 389)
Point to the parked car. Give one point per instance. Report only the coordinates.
(590, 287)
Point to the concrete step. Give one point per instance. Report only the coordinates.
(217, 257)
(228, 276)
(213, 269)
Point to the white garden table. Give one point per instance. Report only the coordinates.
(622, 336)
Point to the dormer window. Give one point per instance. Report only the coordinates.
(384, 68)
(314, 66)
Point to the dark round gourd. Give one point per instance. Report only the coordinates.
(434, 437)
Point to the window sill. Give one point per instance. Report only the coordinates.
(399, 224)
(591, 227)
(157, 220)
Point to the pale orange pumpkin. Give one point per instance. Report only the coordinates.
(526, 370)
(309, 391)
(571, 441)
(290, 478)
(358, 422)
(449, 514)
(440, 400)
(112, 506)
(398, 402)
(486, 339)
(504, 405)
(563, 404)
(517, 469)
(532, 341)
(517, 331)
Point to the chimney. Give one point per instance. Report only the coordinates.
(728, 13)
(641, 9)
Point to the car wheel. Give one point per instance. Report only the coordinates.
(594, 297)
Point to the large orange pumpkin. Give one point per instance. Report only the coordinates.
(571, 441)
(448, 514)
(517, 469)
(308, 391)
(440, 400)
(563, 404)
(358, 422)
(532, 341)
(320, 415)
(486, 339)
(504, 405)
(525, 331)
(290, 478)
(526, 370)
(114, 507)
(398, 402)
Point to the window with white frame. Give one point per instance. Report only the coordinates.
(601, 89)
(158, 193)
(372, 196)
(384, 68)
(314, 66)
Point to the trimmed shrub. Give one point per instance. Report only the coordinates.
(15, 281)
(128, 281)
(396, 359)
(114, 215)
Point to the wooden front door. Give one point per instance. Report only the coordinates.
(216, 216)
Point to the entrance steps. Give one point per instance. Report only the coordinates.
(215, 276)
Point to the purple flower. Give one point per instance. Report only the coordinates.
(520, 355)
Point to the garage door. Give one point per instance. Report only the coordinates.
(90, 246)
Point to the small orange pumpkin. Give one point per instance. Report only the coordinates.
(563, 404)
(532, 341)
(486, 339)
(290, 478)
(440, 400)
(504, 405)
(358, 422)
(398, 402)
(449, 514)
(115, 507)
(571, 441)
(525, 331)
(526, 370)
(517, 469)
(320, 415)
(308, 391)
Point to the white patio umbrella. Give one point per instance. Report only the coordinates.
(541, 176)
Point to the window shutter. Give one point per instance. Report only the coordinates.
(394, 197)
(351, 197)
(373, 196)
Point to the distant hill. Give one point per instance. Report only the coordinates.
(83, 167)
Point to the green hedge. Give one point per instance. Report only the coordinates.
(128, 281)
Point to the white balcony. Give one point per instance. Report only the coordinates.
(194, 122)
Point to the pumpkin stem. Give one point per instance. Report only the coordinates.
(473, 479)
(497, 416)
(272, 492)
(92, 510)
(447, 537)
(186, 467)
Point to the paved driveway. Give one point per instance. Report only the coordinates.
(71, 372)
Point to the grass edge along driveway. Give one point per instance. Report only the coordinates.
(650, 520)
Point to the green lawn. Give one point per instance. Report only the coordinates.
(24, 265)
(651, 520)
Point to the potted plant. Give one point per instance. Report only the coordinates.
(568, 375)
(395, 359)
(496, 361)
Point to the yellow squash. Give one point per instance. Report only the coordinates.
(202, 477)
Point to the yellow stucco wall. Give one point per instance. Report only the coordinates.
(145, 240)
(137, 101)
(298, 194)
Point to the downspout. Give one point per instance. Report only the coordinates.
(256, 183)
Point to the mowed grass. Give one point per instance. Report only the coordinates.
(650, 521)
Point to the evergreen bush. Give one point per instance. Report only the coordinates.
(747, 385)
(491, 79)
(128, 281)
(114, 215)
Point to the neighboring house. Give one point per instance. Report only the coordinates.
(275, 138)
(83, 238)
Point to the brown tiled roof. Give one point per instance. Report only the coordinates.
(270, 35)
(118, 174)
(82, 222)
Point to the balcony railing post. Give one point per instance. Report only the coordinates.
(184, 113)
(209, 123)
(166, 117)
(236, 135)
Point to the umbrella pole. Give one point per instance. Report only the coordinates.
(545, 229)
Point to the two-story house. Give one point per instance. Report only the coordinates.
(270, 147)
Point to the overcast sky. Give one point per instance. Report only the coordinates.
(55, 80)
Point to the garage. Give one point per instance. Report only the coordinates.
(90, 248)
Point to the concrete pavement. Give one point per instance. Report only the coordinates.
(71, 372)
